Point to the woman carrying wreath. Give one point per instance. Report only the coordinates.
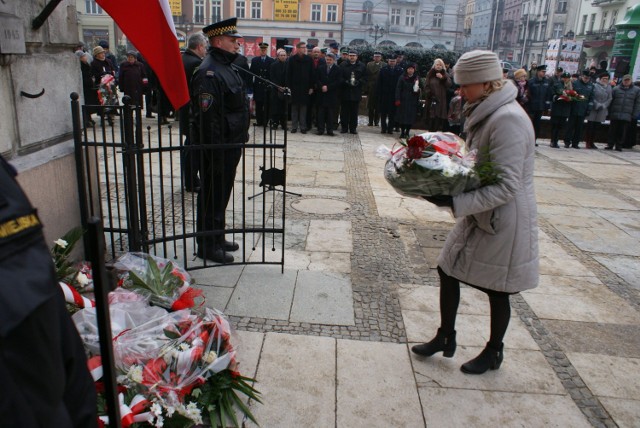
(436, 85)
(494, 245)
(407, 97)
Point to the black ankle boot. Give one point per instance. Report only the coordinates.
(442, 342)
(489, 359)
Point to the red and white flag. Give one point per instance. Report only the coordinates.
(149, 26)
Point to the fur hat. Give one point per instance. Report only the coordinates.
(477, 67)
(98, 50)
(519, 73)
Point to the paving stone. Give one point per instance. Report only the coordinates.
(322, 298)
(626, 413)
(609, 376)
(596, 338)
(216, 297)
(627, 268)
(329, 235)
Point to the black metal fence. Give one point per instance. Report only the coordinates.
(130, 174)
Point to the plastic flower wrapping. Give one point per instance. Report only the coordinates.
(430, 164)
(571, 95)
(107, 91)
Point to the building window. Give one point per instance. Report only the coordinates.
(240, 9)
(558, 30)
(256, 9)
(332, 13)
(198, 11)
(395, 16)
(92, 7)
(592, 23)
(562, 6)
(367, 8)
(583, 26)
(216, 10)
(543, 31)
(603, 22)
(316, 12)
(614, 18)
(410, 18)
(438, 12)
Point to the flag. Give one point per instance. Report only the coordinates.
(149, 26)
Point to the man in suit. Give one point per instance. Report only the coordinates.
(260, 66)
(354, 77)
(329, 83)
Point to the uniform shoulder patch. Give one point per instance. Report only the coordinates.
(210, 73)
(206, 100)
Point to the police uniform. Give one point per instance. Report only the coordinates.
(260, 66)
(43, 368)
(221, 109)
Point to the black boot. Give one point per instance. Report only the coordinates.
(489, 359)
(442, 342)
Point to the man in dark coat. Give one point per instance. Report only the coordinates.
(329, 83)
(132, 77)
(560, 108)
(278, 75)
(260, 66)
(221, 111)
(623, 111)
(579, 110)
(43, 368)
(318, 62)
(191, 60)
(300, 80)
(541, 92)
(386, 90)
(354, 77)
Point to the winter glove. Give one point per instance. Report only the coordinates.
(397, 103)
(440, 200)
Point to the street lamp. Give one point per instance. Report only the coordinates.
(376, 32)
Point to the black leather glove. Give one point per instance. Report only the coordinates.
(440, 200)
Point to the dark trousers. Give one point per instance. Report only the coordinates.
(43, 372)
(387, 119)
(260, 113)
(349, 115)
(557, 125)
(325, 119)
(631, 135)
(450, 299)
(374, 116)
(148, 98)
(536, 118)
(219, 172)
(190, 164)
(312, 111)
(617, 133)
(573, 135)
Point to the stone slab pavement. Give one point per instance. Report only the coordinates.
(329, 339)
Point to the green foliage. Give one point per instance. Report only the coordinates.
(156, 282)
(64, 267)
(487, 170)
(422, 57)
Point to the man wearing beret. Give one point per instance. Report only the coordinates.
(260, 66)
(221, 117)
(579, 110)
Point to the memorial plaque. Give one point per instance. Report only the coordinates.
(12, 35)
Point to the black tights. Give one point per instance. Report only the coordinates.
(450, 298)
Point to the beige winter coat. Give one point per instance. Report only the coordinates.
(494, 243)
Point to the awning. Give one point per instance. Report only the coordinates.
(597, 43)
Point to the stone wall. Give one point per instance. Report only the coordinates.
(35, 133)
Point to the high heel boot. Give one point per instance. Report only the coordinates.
(489, 359)
(442, 342)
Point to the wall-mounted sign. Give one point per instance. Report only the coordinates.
(12, 35)
(285, 10)
(176, 7)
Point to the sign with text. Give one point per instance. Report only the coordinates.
(285, 10)
(12, 39)
(176, 7)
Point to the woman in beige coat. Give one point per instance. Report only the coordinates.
(494, 244)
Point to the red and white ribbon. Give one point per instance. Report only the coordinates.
(72, 296)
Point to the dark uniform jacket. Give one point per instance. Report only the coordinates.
(260, 66)
(386, 88)
(582, 108)
(300, 78)
(191, 62)
(373, 72)
(219, 101)
(333, 81)
(540, 94)
(560, 108)
(278, 75)
(352, 88)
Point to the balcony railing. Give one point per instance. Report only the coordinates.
(607, 2)
(600, 35)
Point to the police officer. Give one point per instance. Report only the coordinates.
(260, 66)
(579, 110)
(43, 368)
(540, 95)
(222, 117)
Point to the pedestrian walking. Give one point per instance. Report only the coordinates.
(623, 111)
(560, 107)
(386, 94)
(494, 245)
(407, 99)
(579, 110)
(300, 80)
(354, 75)
(601, 100)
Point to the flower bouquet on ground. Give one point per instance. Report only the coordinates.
(434, 164)
(185, 367)
(164, 282)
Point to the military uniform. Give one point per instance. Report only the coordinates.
(260, 66)
(221, 111)
(373, 71)
(43, 368)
